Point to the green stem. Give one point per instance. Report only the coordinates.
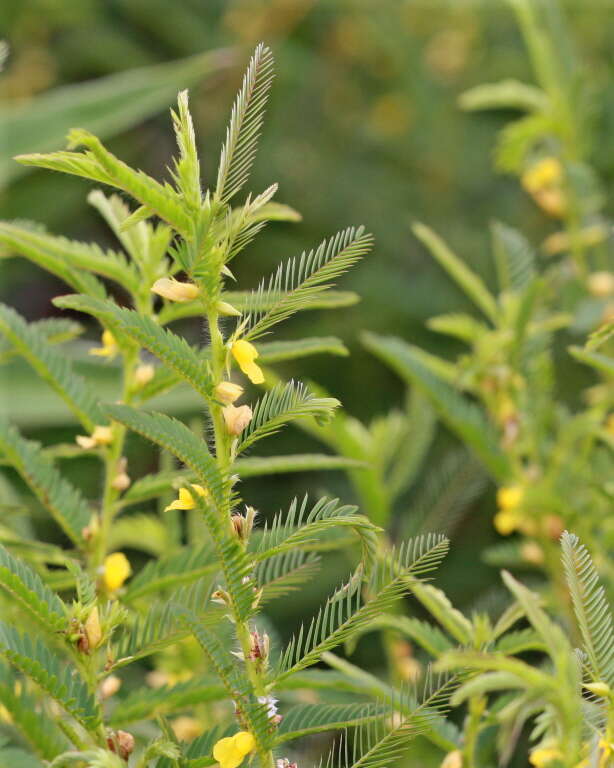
(253, 667)
(477, 705)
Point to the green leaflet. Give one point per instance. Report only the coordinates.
(26, 587)
(281, 405)
(458, 413)
(55, 330)
(58, 679)
(296, 281)
(301, 528)
(18, 239)
(304, 719)
(345, 614)
(42, 733)
(51, 366)
(77, 255)
(55, 493)
(146, 703)
(243, 131)
(470, 283)
(170, 348)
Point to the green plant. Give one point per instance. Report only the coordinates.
(215, 569)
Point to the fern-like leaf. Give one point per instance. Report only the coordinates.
(293, 285)
(166, 345)
(281, 405)
(243, 131)
(344, 615)
(19, 239)
(58, 679)
(52, 367)
(27, 588)
(61, 498)
(590, 606)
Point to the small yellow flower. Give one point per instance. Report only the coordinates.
(109, 346)
(506, 522)
(236, 419)
(547, 172)
(510, 497)
(230, 751)
(245, 354)
(186, 499)
(543, 756)
(173, 290)
(186, 728)
(227, 392)
(100, 436)
(116, 570)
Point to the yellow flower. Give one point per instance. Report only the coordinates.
(245, 354)
(236, 419)
(109, 346)
(510, 497)
(116, 570)
(506, 522)
(173, 290)
(547, 172)
(229, 752)
(186, 500)
(227, 392)
(543, 756)
(100, 436)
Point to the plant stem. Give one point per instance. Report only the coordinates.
(253, 667)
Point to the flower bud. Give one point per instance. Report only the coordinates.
(110, 686)
(553, 526)
(599, 689)
(122, 743)
(532, 553)
(99, 437)
(143, 374)
(236, 419)
(601, 284)
(93, 632)
(186, 728)
(173, 290)
(224, 308)
(228, 392)
(453, 759)
(121, 481)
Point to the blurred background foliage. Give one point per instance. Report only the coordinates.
(363, 127)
